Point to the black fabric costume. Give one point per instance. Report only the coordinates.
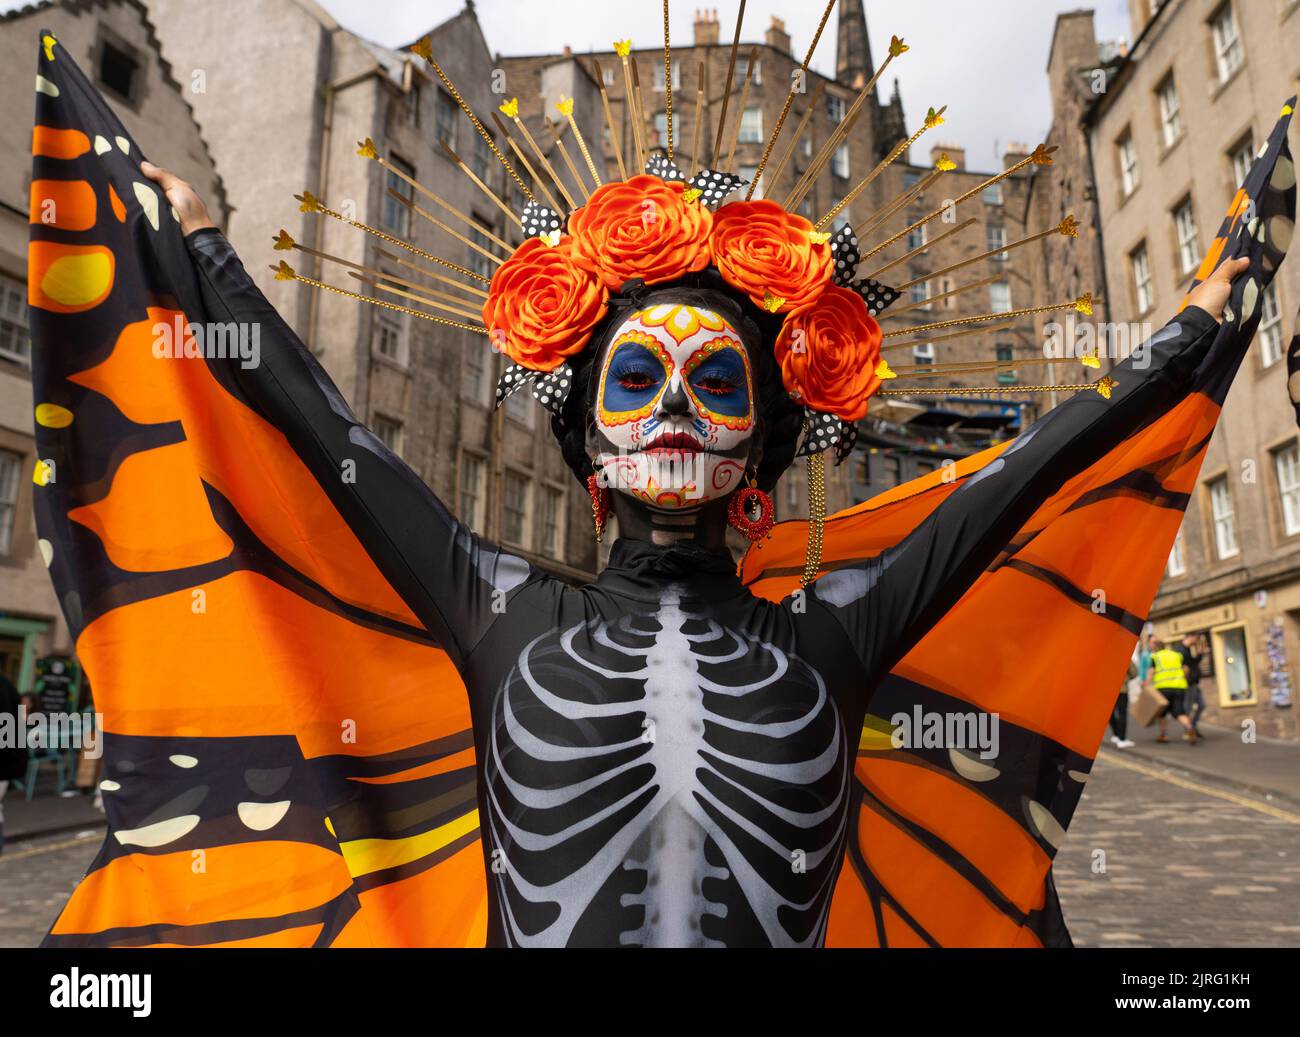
(642, 739)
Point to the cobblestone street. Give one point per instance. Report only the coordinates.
(1187, 864)
(1183, 865)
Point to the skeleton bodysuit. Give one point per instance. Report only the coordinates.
(663, 758)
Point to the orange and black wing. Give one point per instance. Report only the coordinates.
(953, 847)
(288, 758)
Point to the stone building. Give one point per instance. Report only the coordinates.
(286, 97)
(1173, 135)
(115, 44)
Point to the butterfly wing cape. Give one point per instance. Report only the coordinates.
(287, 757)
(950, 849)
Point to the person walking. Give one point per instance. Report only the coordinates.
(1169, 677)
(13, 758)
(1190, 649)
(1119, 715)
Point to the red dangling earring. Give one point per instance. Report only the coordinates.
(751, 511)
(599, 504)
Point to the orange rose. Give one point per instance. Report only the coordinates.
(641, 227)
(767, 252)
(542, 307)
(828, 352)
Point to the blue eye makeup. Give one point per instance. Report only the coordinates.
(633, 377)
(719, 381)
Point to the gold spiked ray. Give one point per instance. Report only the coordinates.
(367, 149)
(964, 225)
(623, 48)
(802, 125)
(393, 257)
(668, 83)
(906, 197)
(889, 347)
(1103, 386)
(726, 90)
(565, 108)
(1042, 156)
(1068, 228)
(696, 166)
(310, 203)
(488, 193)
(898, 311)
(896, 48)
(614, 136)
(378, 283)
(511, 111)
(424, 48)
(1083, 305)
(740, 108)
(1090, 360)
(795, 87)
(284, 272)
(410, 204)
(556, 132)
(538, 182)
(285, 242)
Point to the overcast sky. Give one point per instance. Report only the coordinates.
(985, 59)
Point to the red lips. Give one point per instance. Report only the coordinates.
(676, 442)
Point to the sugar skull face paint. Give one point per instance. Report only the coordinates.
(675, 407)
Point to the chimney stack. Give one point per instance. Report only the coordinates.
(777, 38)
(1016, 151)
(954, 152)
(706, 27)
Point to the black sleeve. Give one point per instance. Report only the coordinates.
(889, 602)
(454, 581)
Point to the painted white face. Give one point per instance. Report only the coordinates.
(675, 407)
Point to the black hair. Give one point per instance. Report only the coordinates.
(780, 419)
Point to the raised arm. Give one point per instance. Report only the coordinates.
(889, 602)
(452, 580)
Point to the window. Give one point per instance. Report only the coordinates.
(836, 107)
(1177, 564)
(397, 217)
(478, 262)
(661, 129)
(10, 467)
(521, 407)
(742, 70)
(1227, 42)
(1270, 328)
(945, 289)
(918, 236)
(470, 508)
(840, 162)
(514, 507)
(413, 107)
(997, 238)
(473, 371)
(1171, 115)
(1243, 157)
(1000, 296)
(910, 179)
(659, 77)
(807, 146)
(1142, 283)
(550, 527)
(923, 353)
(1128, 163)
(607, 74)
(751, 126)
(389, 431)
(993, 194)
(1232, 665)
(15, 340)
(119, 70)
(482, 161)
(1006, 353)
(390, 335)
(921, 294)
(445, 120)
(1287, 462)
(1185, 226)
(1225, 521)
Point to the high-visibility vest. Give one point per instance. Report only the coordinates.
(1167, 670)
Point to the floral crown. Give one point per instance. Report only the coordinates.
(547, 300)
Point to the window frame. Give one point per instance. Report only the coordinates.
(1223, 520)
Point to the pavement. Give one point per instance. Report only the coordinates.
(1266, 767)
(48, 813)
